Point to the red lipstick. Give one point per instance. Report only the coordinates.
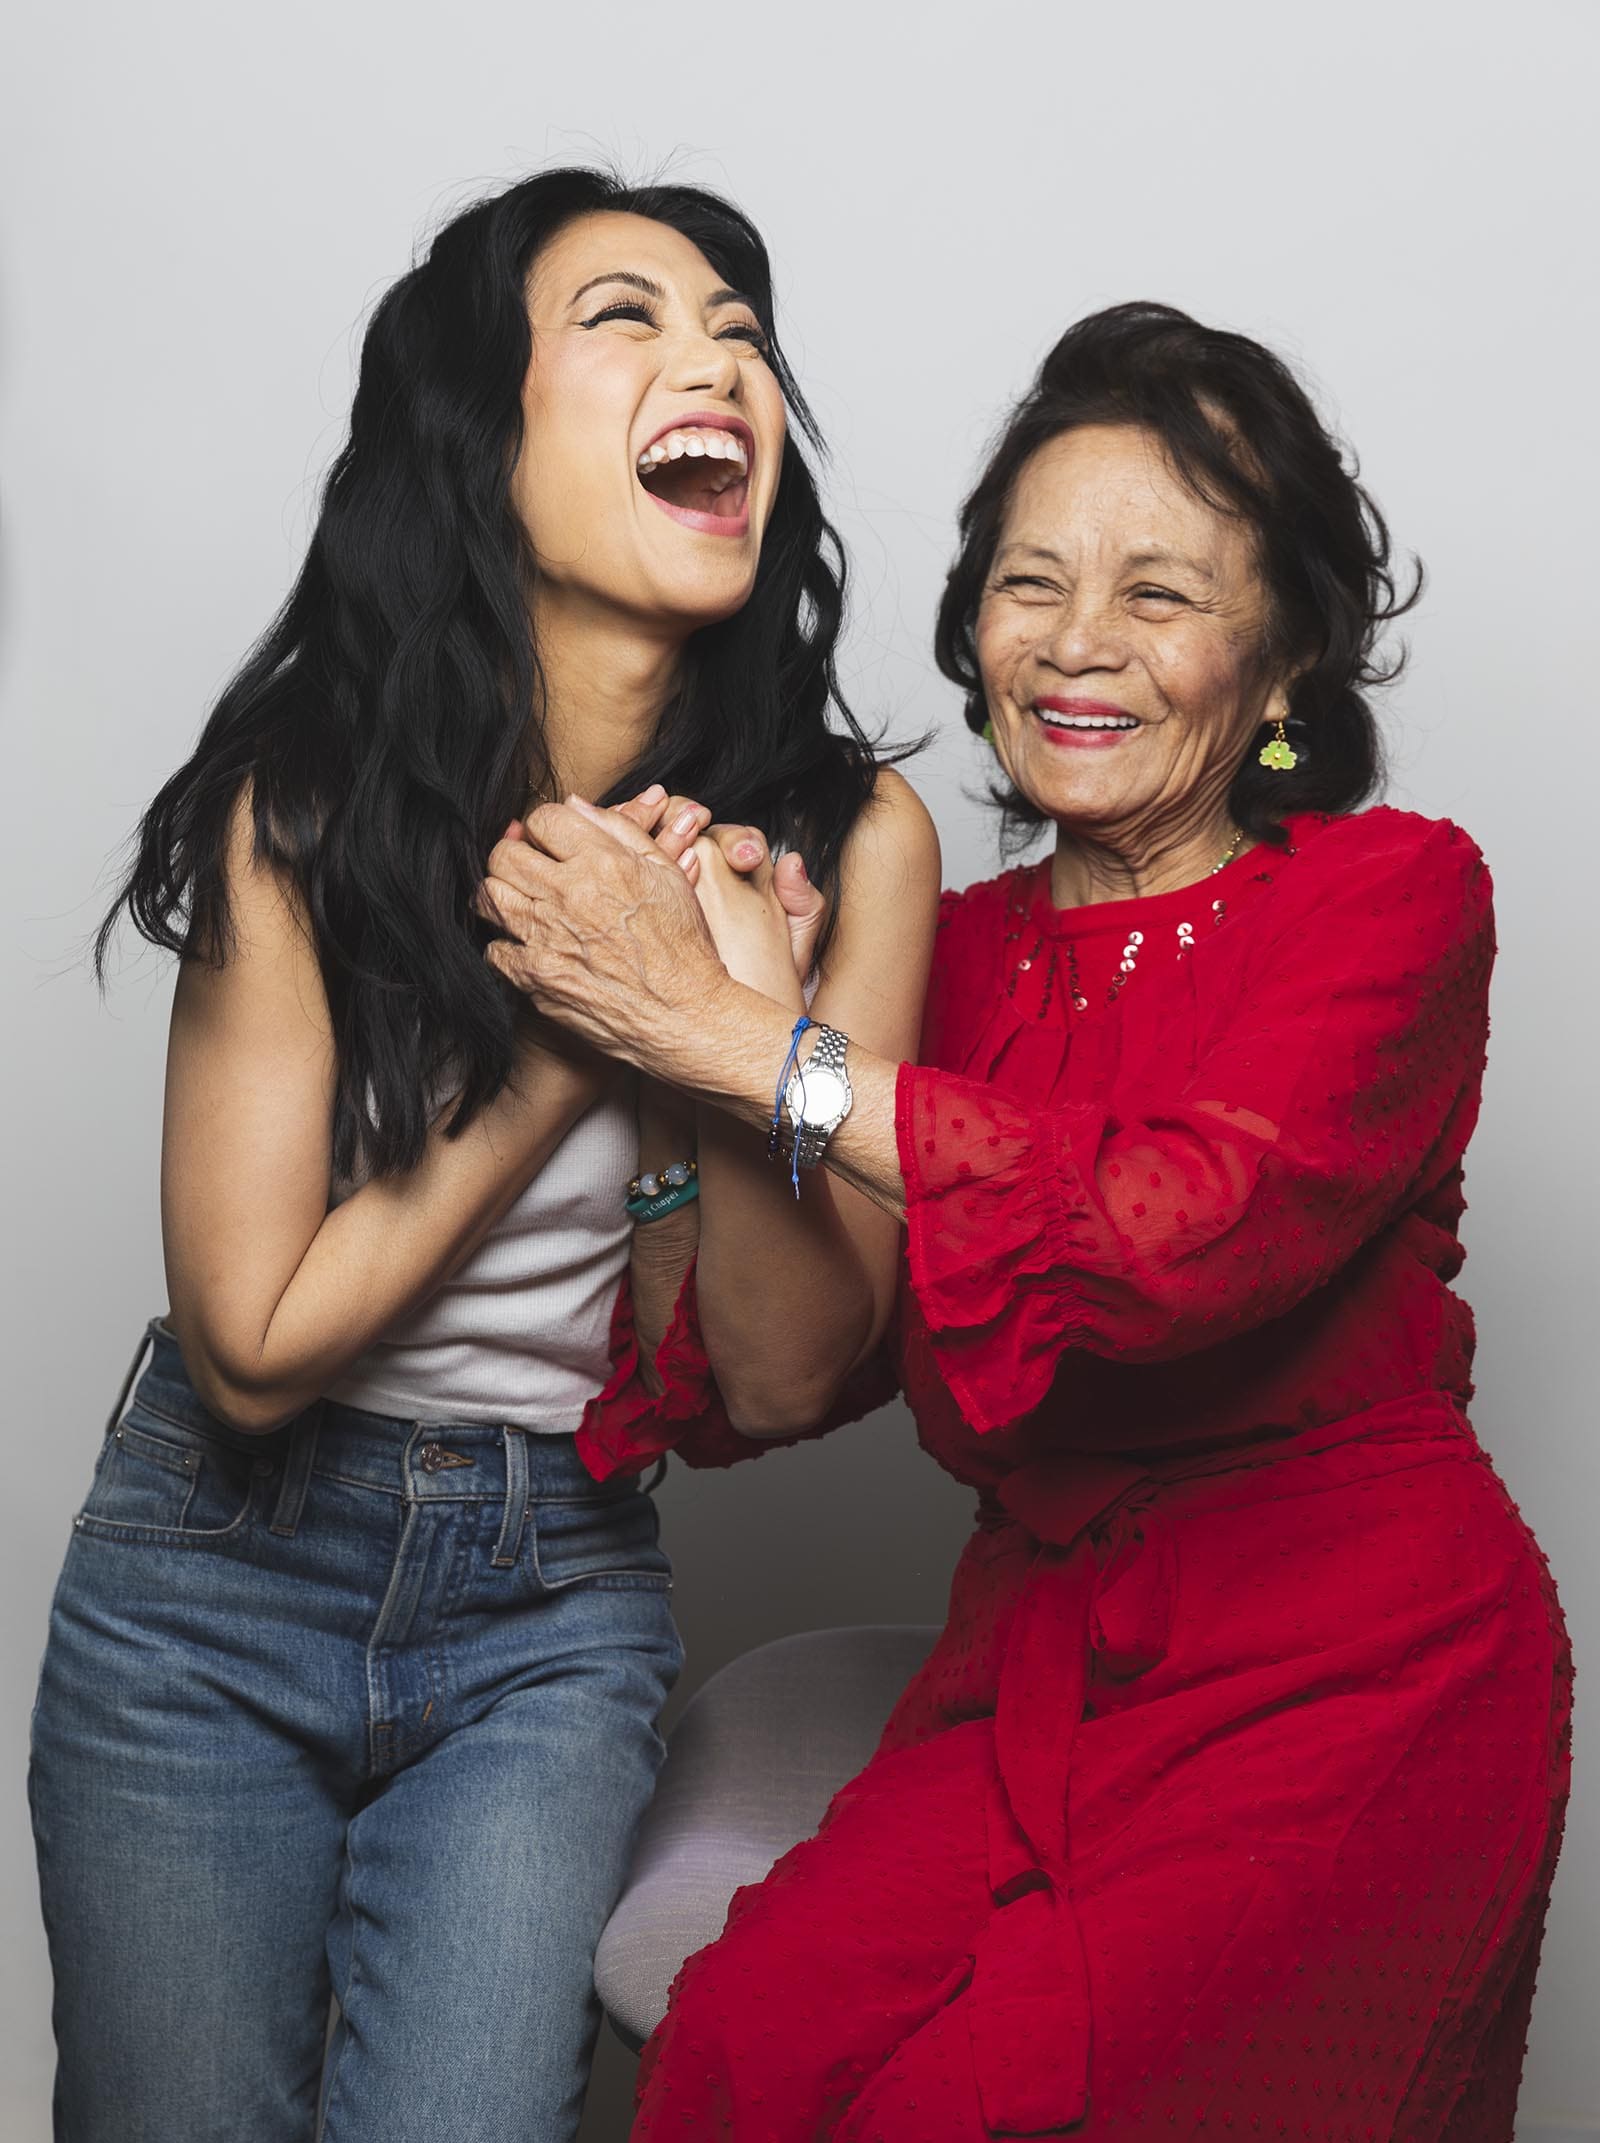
(1073, 724)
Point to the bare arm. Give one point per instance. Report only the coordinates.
(663, 1250)
(793, 1294)
(730, 1058)
(272, 1295)
(604, 935)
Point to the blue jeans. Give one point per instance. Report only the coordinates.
(361, 1707)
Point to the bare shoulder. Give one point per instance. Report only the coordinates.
(875, 971)
(264, 910)
(264, 977)
(893, 849)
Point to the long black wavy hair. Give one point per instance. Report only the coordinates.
(383, 722)
(1243, 434)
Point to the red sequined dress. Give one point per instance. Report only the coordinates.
(1230, 1796)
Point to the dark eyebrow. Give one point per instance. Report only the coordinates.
(620, 275)
(654, 290)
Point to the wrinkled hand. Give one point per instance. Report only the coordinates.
(673, 822)
(602, 931)
(715, 857)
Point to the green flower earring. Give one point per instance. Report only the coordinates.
(1279, 752)
(987, 732)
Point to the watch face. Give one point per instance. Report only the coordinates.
(821, 1097)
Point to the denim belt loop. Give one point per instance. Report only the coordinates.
(141, 1355)
(297, 1473)
(509, 1546)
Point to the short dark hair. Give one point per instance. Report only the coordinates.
(1242, 433)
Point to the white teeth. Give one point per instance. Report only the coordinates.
(1085, 721)
(709, 445)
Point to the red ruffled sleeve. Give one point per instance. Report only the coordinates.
(1340, 1088)
(626, 1428)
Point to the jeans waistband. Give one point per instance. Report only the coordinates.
(437, 1461)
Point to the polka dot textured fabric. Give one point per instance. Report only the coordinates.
(1230, 1797)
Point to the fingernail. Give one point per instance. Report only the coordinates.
(750, 851)
(801, 863)
(653, 794)
(685, 820)
(512, 830)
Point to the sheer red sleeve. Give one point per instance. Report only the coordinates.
(1341, 1085)
(626, 1427)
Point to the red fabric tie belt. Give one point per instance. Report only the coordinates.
(1102, 1582)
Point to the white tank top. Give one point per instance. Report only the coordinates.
(520, 1332)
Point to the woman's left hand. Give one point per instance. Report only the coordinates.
(602, 931)
(765, 917)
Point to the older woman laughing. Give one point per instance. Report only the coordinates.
(1231, 1795)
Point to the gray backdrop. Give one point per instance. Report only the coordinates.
(198, 203)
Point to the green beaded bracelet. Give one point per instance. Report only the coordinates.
(644, 1210)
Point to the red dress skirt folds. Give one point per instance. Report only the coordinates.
(1230, 1796)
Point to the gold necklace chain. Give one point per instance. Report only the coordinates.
(1228, 854)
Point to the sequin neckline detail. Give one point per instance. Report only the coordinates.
(1054, 955)
(1242, 879)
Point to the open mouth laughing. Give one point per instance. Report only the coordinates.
(699, 472)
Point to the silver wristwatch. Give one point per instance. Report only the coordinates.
(818, 1097)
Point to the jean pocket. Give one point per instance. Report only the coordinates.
(599, 1540)
(157, 1479)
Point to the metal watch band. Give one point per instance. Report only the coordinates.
(827, 1053)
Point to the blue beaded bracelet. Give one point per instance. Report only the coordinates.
(774, 1134)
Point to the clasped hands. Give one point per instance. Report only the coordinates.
(624, 925)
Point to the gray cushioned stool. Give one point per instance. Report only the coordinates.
(751, 1766)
